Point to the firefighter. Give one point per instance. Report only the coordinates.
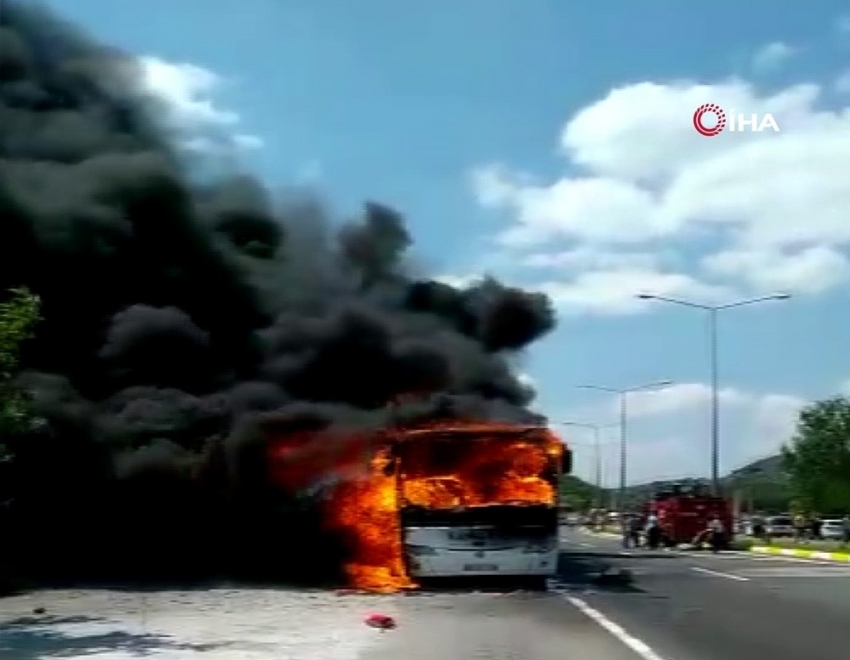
(653, 531)
(636, 527)
(716, 533)
(631, 530)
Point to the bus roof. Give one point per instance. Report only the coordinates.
(474, 431)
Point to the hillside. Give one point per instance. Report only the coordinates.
(761, 483)
(770, 467)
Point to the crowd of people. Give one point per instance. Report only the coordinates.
(647, 531)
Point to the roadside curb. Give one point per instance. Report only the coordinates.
(841, 557)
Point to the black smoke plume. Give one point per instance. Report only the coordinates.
(182, 317)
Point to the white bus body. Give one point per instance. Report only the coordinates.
(480, 550)
(506, 539)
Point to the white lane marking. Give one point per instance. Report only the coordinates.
(728, 576)
(625, 553)
(636, 645)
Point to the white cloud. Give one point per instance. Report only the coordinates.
(614, 291)
(772, 56)
(187, 95)
(842, 83)
(811, 270)
(459, 281)
(591, 258)
(669, 431)
(676, 398)
(528, 382)
(620, 211)
(749, 211)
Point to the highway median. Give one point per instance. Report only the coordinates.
(820, 550)
(815, 550)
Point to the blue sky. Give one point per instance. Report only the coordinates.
(492, 124)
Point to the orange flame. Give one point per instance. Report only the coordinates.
(487, 467)
(365, 510)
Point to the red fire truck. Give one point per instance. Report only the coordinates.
(684, 513)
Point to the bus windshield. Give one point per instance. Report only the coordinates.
(451, 470)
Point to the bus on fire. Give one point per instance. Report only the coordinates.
(479, 500)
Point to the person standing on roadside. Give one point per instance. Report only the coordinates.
(845, 524)
(717, 533)
(636, 526)
(816, 524)
(800, 527)
(653, 531)
(626, 528)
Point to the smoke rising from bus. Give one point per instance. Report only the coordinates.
(183, 317)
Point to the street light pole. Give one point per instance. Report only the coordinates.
(623, 393)
(624, 418)
(597, 453)
(713, 312)
(715, 402)
(597, 456)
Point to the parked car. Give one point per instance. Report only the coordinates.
(832, 529)
(779, 526)
(751, 525)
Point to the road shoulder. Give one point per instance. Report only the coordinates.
(799, 553)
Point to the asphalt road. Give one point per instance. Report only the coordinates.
(677, 607)
(275, 624)
(730, 606)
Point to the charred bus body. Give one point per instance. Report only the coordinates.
(479, 501)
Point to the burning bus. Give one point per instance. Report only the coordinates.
(451, 500)
(479, 500)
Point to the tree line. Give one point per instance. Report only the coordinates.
(19, 315)
(817, 459)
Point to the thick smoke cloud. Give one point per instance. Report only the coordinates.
(182, 318)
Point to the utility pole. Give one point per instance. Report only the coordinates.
(623, 393)
(597, 454)
(713, 312)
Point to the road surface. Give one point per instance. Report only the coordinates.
(730, 606)
(679, 607)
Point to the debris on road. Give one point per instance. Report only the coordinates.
(382, 622)
(608, 577)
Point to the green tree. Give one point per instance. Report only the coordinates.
(19, 315)
(818, 457)
(578, 495)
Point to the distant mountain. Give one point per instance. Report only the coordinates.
(761, 484)
(770, 467)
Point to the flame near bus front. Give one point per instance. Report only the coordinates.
(364, 508)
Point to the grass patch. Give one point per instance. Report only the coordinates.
(792, 544)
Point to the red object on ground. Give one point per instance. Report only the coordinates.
(380, 621)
